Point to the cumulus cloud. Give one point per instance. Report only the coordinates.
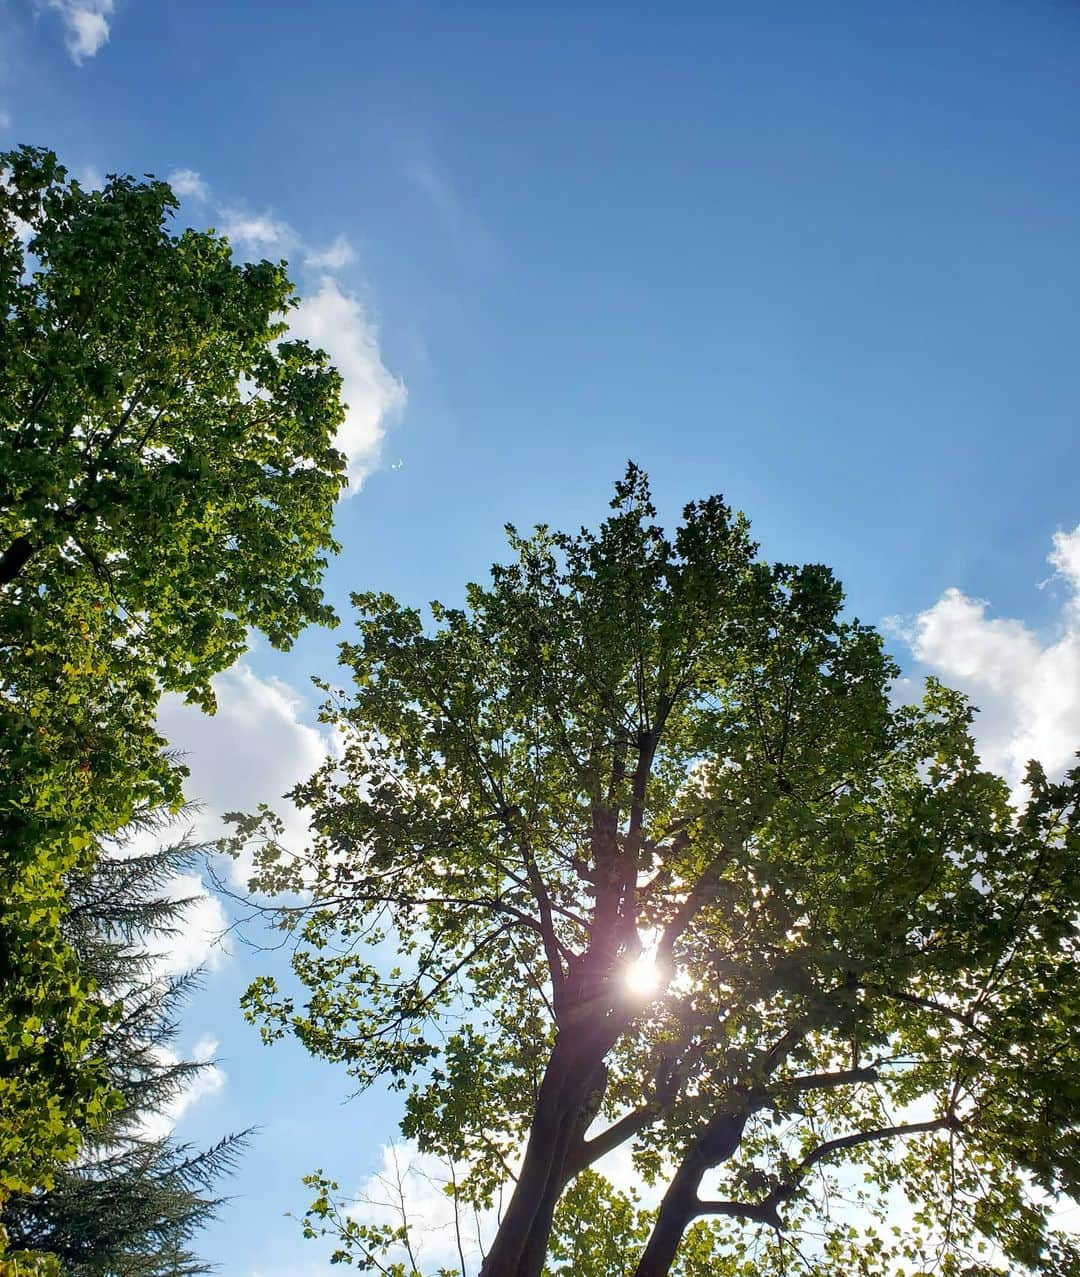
(1026, 685)
(254, 749)
(207, 1081)
(200, 936)
(336, 255)
(86, 24)
(188, 184)
(338, 322)
(23, 230)
(331, 318)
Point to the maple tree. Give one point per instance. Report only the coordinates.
(168, 475)
(666, 867)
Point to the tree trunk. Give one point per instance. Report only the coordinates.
(676, 1212)
(15, 558)
(680, 1204)
(574, 1072)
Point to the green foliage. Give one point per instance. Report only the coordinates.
(364, 1246)
(865, 956)
(359, 1245)
(133, 1200)
(25, 1263)
(599, 1232)
(167, 479)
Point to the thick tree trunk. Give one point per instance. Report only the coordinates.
(676, 1212)
(574, 1072)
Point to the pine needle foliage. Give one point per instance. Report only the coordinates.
(133, 1203)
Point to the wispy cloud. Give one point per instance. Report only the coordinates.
(1026, 685)
(208, 1081)
(188, 184)
(90, 177)
(260, 232)
(86, 24)
(336, 255)
(436, 185)
(432, 180)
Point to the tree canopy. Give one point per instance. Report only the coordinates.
(167, 480)
(664, 865)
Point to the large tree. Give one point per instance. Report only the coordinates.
(167, 480)
(666, 866)
(135, 1198)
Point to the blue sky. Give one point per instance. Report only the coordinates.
(822, 258)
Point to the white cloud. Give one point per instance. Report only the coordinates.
(86, 24)
(90, 178)
(5, 120)
(413, 1181)
(1027, 686)
(207, 1081)
(200, 936)
(259, 232)
(337, 322)
(416, 1182)
(254, 749)
(188, 184)
(23, 230)
(333, 257)
(1065, 556)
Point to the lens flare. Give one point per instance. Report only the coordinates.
(642, 976)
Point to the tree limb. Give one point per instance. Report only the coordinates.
(765, 1211)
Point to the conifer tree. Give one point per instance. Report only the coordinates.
(133, 1202)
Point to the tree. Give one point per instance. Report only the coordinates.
(598, 1231)
(167, 480)
(665, 866)
(134, 1199)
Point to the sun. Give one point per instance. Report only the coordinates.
(642, 976)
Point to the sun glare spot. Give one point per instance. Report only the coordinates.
(642, 976)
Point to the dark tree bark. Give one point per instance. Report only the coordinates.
(681, 1204)
(15, 558)
(574, 1074)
